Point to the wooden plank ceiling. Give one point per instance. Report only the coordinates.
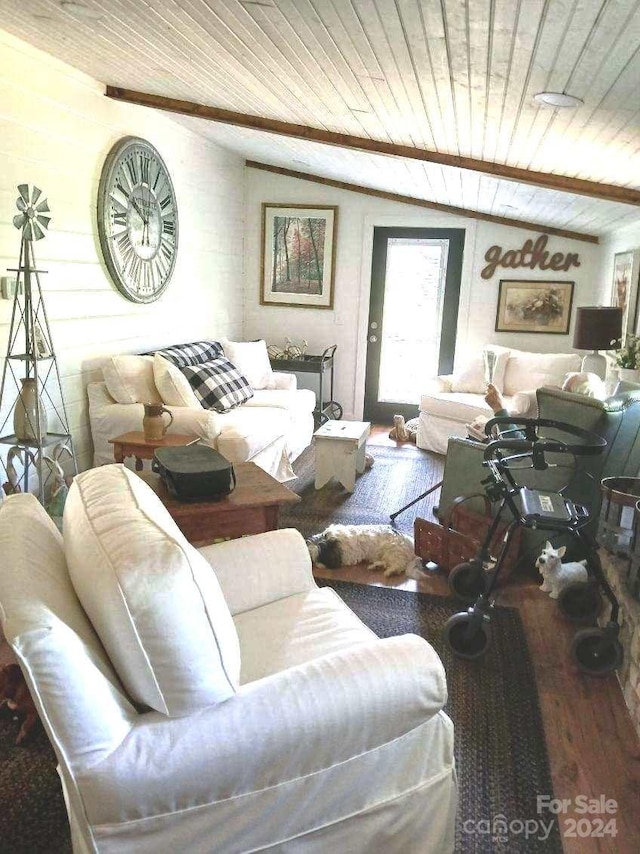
(454, 77)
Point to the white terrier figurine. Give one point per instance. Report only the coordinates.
(557, 575)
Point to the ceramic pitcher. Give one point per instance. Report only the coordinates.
(29, 413)
(152, 423)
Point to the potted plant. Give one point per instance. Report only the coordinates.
(627, 359)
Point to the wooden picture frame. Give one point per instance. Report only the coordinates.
(624, 287)
(298, 255)
(534, 306)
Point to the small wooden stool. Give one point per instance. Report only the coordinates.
(340, 451)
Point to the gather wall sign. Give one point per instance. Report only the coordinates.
(530, 255)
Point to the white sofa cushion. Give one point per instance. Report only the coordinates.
(533, 370)
(174, 388)
(247, 430)
(153, 599)
(252, 360)
(300, 400)
(130, 379)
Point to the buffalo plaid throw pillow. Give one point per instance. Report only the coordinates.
(196, 353)
(218, 384)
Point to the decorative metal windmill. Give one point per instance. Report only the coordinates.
(30, 349)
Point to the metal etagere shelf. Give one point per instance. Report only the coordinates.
(30, 350)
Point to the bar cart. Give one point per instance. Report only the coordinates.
(322, 366)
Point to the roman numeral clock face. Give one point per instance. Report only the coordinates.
(137, 220)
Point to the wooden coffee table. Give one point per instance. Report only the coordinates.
(134, 444)
(252, 508)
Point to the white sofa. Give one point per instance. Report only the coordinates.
(217, 700)
(452, 401)
(271, 429)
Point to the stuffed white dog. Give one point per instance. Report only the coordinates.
(557, 575)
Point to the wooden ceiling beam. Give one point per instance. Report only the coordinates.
(423, 203)
(578, 186)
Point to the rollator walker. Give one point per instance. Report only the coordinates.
(522, 445)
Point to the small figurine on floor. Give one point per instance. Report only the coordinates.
(557, 575)
(15, 695)
(404, 431)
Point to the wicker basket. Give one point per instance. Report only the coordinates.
(460, 537)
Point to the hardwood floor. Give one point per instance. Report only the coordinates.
(593, 749)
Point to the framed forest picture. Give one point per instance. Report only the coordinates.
(298, 255)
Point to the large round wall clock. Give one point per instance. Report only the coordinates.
(137, 220)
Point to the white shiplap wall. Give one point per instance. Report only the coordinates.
(56, 128)
(346, 325)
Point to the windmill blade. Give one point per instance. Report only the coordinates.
(28, 231)
(19, 220)
(44, 221)
(21, 204)
(35, 195)
(37, 231)
(43, 207)
(23, 189)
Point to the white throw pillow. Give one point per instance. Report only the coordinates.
(470, 378)
(153, 599)
(174, 387)
(252, 360)
(129, 379)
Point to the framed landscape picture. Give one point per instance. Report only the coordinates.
(298, 255)
(624, 287)
(531, 306)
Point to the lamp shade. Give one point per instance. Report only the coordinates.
(596, 327)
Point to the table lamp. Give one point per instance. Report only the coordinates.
(597, 327)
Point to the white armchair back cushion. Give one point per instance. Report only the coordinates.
(153, 599)
(71, 680)
(130, 379)
(471, 378)
(533, 370)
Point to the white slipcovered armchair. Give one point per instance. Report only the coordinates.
(217, 700)
(450, 402)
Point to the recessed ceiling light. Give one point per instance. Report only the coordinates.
(557, 99)
(79, 10)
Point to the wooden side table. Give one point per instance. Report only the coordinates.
(252, 508)
(340, 451)
(134, 444)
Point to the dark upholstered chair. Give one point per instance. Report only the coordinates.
(617, 419)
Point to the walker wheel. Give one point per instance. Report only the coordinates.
(581, 601)
(465, 636)
(466, 581)
(597, 651)
(334, 410)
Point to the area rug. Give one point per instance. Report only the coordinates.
(500, 751)
(397, 476)
(33, 819)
